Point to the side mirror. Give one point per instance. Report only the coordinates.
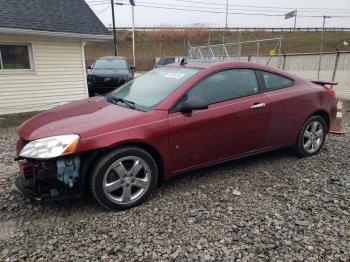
(193, 103)
(89, 67)
(133, 68)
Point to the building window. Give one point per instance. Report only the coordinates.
(15, 57)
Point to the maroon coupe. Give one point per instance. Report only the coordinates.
(167, 121)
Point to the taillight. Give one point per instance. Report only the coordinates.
(330, 92)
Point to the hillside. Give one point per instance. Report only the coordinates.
(151, 44)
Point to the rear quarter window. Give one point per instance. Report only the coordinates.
(274, 81)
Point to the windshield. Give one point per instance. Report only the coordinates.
(110, 63)
(151, 88)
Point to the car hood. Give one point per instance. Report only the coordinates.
(109, 72)
(88, 118)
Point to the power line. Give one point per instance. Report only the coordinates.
(95, 2)
(203, 11)
(328, 10)
(195, 9)
(103, 10)
(99, 3)
(221, 12)
(236, 9)
(191, 6)
(273, 7)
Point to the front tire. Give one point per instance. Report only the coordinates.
(311, 137)
(124, 178)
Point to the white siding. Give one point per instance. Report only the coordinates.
(58, 76)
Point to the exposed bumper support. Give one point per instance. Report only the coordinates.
(44, 180)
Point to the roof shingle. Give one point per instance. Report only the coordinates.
(68, 16)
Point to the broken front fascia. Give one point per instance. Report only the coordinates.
(68, 170)
(50, 179)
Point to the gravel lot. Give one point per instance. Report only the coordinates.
(268, 207)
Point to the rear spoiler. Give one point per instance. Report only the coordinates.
(324, 83)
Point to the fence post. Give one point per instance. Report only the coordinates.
(284, 61)
(279, 52)
(335, 65)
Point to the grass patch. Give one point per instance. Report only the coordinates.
(151, 44)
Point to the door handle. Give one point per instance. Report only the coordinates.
(258, 105)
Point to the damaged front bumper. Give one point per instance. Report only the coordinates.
(53, 179)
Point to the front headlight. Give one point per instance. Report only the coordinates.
(50, 147)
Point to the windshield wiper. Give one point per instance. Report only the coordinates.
(116, 100)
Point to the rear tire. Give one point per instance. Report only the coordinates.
(311, 136)
(124, 178)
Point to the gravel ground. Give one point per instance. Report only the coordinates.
(271, 207)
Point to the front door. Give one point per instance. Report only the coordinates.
(235, 123)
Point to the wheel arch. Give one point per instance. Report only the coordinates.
(149, 149)
(320, 113)
(324, 115)
(93, 157)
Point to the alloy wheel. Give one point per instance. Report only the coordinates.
(313, 136)
(126, 180)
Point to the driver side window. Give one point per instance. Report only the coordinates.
(226, 85)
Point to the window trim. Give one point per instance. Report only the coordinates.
(260, 87)
(259, 74)
(30, 55)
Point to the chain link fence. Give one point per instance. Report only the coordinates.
(329, 66)
(234, 51)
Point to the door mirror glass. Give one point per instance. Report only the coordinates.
(192, 103)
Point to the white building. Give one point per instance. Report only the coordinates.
(42, 61)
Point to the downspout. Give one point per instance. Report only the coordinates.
(84, 68)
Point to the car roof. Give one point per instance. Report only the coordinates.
(210, 64)
(113, 57)
(162, 57)
(230, 64)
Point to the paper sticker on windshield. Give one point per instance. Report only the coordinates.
(175, 75)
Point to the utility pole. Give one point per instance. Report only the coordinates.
(114, 32)
(321, 45)
(133, 34)
(226, 27)
(226, 14)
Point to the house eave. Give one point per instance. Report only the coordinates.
(4, 30)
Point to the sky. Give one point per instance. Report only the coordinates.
(146, 16)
